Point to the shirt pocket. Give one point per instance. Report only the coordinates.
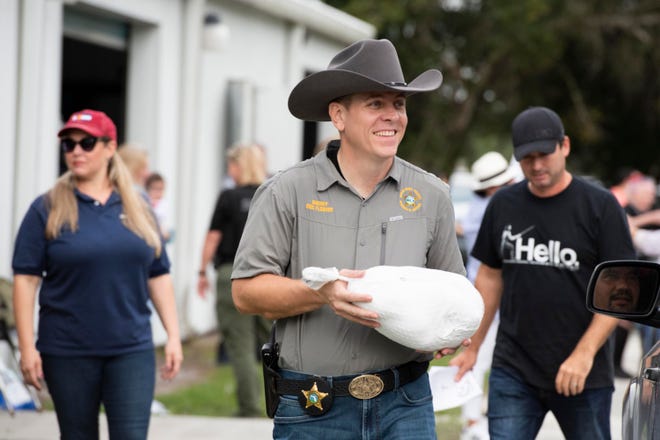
(405, 242)
(322, 244)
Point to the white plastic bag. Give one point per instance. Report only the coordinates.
(424, 309)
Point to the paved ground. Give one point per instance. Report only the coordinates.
(30, 425)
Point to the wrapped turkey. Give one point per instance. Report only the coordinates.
(420, 308)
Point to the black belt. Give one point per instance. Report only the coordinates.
(316, 391)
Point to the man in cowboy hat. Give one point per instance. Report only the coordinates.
(353, 206)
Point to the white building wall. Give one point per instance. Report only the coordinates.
(9, 27)
(37, 102)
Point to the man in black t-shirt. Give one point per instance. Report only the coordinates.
(539, 242)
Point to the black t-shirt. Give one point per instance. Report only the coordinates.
(547, 249)
(229, 217)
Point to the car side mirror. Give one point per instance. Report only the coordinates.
(624, 289)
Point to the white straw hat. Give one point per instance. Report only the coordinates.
(491, 169)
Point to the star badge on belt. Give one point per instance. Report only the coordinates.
(314, 397)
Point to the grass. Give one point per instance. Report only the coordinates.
(213, 394)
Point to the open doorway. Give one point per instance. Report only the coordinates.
(310, 138)
(93, 76)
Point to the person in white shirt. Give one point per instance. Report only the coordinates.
(491, 172)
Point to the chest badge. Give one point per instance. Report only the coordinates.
(410, 199)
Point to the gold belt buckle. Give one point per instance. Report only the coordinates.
(366, 386)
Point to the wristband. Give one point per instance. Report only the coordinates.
(201, 273)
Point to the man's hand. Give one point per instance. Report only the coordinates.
(202, 285)
(573, 373)
(336, 295)
(465, 361)
(448, 351)
(439, 354)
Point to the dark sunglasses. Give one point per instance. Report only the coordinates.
(87, 144)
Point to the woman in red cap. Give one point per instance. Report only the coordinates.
(92, 249)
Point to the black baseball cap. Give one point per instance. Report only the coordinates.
(537, 129)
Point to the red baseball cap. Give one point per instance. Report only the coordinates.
(93, 122)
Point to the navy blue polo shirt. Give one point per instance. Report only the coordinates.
(93, 296)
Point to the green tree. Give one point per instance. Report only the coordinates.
(596, 62)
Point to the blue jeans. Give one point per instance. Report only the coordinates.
(516, 410)
(124, 384)
(403, 413)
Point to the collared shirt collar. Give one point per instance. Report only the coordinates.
(114, 197)
(328, 174)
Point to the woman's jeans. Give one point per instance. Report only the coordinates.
(516, 410)
(403, 413)
(124, 384)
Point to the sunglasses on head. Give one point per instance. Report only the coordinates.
(87, 144)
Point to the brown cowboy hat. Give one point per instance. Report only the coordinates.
(364, 66)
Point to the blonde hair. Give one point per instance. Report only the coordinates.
(63, 208)
(251, 161)
(134, 158)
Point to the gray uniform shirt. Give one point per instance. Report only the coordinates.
(309, 215)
